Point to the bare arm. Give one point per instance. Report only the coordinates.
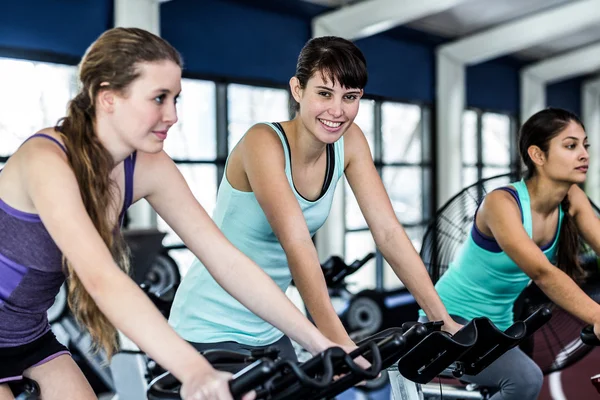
(170, 196)
(390, 237)
(269, 183)
(501, 215)
(54, 192)
(585, 218)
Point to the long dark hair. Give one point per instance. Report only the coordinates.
(337, 59)
(110, 63)
(538, 130)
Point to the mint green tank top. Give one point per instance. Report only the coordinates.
(484, 283)
(202, 311)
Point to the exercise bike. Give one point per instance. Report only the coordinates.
(130, 370)
(335, 271)
(420, 352)
(414, 354)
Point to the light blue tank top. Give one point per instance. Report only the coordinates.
(480, 282)
(202, 311)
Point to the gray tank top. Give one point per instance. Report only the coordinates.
(31, 272)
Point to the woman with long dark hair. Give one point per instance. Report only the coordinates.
(528, 231)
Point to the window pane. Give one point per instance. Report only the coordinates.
(354, 217)
(488, 172)
(39, 94)
(358, 245)
(401, 128)
(390, 280)
(248, 105)
(469, 176)
(365, 120)
(496, 138)
(193, 137)
(469, 137)
(404, 186)
(202, 179)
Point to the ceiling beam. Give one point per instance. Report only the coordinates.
(583, 61)
(371, 17)
(524, 33)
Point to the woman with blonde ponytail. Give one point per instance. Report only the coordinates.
(63, 196)
(527, 232)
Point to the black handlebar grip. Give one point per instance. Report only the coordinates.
(536, 320)
(250, 377)
(589, 337)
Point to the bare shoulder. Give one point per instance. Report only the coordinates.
(356, 145)
(35, 161)
(41, 141)
(353, 135)
(152, 172)
(40, 152)
(579, 201)
(498, 202)
(260, 137)
(577, 195)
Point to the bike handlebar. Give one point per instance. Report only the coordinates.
(335, 269)
(589, 337)
(422, 351)
(314, 375)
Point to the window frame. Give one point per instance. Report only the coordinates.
(427, 167)
(514, 158)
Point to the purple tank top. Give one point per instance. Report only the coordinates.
(31, 272)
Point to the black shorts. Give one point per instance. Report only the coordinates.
(15, 360)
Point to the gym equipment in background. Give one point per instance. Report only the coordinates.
(367, 311)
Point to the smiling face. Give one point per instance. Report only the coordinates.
(326, 108)
(567, 157)
(143, 114)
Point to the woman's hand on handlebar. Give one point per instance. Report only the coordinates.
(348, 346)
(361, 361)
(597, 329)
(451, 326)
(213, 385)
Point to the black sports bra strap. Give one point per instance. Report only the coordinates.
(330, 160)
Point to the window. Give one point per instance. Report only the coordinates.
(36, 95)
(192, 145)
(406, 171)
(248, 105)
(358, 239)
(488, 146)
(365, 120)
(202, 180)
(202, 138)
(194, 137)
(402, 156)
